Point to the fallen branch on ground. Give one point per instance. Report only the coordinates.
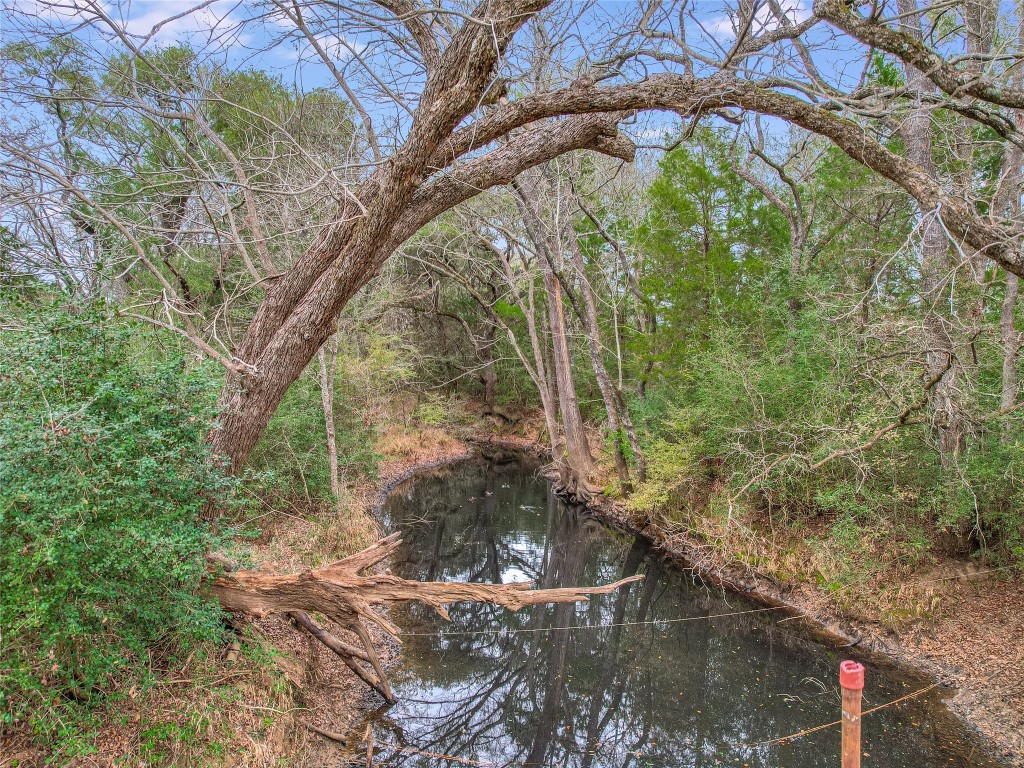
(326, 734)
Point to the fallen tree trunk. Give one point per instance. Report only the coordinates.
(342, 593)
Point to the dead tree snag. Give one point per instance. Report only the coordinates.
(343, 593)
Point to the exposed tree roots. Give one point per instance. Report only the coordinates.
(340, 592)
(570, 483)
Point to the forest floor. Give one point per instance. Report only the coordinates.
(330, 699)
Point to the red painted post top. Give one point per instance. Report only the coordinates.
(851, 675)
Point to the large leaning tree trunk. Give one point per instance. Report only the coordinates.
(434, 169)
(460, 133)
(301, 306)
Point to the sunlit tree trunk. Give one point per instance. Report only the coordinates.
(1009, 197)
(940, 356)
(577, 456)
(1011, 355)
(619, 422)
(576, 463)
(488, 374)
(327, 358)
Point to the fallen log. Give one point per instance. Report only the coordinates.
(343, 593)
(326, 734)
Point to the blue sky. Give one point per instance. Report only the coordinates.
(242, 31)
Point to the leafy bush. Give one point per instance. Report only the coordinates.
(431, 413)
(768, 406)
(104, 475)
(437, 410)
(671, 467)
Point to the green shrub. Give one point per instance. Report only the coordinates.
(436, 410)
(766, 407)
(671, 467)
(104, 474)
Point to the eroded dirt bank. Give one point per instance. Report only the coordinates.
(331, 700)
(975, 647)
(277, 696)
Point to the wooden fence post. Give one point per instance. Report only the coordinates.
(851, 678)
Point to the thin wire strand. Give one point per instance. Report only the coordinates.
(779, 740)
(817, 728)
(590, 626)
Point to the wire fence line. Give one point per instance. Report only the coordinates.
(708, 617)
(741, 745)
(806, 731)
(592, 626)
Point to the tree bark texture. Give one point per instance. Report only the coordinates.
(576, 465)
(421, 180)
(1008, 196)
(353, 599)
(619, 422)
(301, 307)
(940, 354)
(328, 359)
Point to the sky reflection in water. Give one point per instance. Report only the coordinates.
(540, 688)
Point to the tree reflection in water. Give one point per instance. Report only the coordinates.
(550, 687)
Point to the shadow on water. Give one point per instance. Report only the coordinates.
(641, 677)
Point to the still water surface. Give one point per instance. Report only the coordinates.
(638, 678)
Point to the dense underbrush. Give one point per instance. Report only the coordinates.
(775, 452)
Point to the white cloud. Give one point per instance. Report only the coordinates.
(338, 46)
(162, 21)
(55, 11)
(169, 21)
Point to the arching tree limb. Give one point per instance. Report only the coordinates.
(912, 51)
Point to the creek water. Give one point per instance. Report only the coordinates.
(652, 675)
